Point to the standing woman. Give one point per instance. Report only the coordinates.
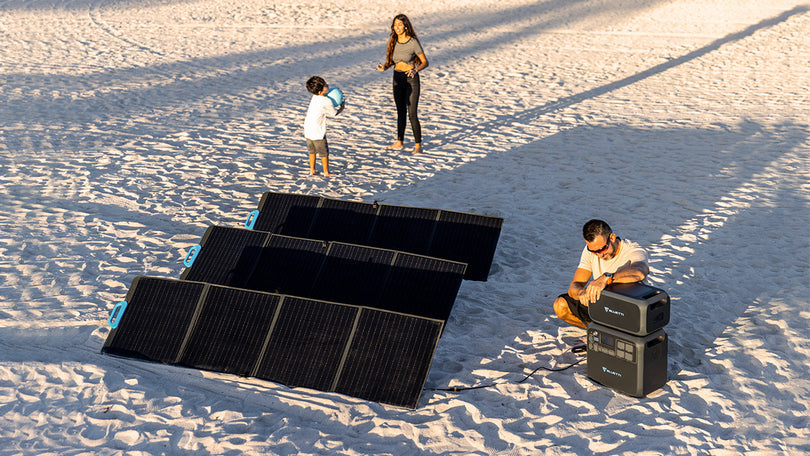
(405, 54)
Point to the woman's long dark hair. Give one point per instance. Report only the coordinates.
(392, 40)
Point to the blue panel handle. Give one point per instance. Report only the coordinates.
(116, 314)
(251, 219)
(192, 255)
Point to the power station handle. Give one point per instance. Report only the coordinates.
(656, 341)
(650, 295)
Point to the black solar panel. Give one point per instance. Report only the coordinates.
(158, 315)
(423, 286)
(468, 238)
(227, 256)
(457, 236)
(307, 343)
(362, 352)
(287, 214)
(409, 229)
(230, 331)
(337, 272)
(343, 221)
(288, 265)
(353, 274)
(389, 358)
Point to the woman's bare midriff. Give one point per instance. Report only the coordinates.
(402, 66)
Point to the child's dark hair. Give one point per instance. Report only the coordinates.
(315, 84)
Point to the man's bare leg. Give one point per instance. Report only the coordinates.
(562, 311)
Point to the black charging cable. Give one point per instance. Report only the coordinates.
(579, 350)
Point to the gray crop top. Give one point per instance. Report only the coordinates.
(407, 52)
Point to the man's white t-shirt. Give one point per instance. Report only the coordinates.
(315, 122)
(629, 252)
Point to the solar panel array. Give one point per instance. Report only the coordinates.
(458, 236)
(367, 353)
(320, 293)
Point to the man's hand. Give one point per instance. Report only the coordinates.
(583, 298)
(578, 287)
(593, 291)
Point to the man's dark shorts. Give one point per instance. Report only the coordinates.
(318, 147)
(580, 311)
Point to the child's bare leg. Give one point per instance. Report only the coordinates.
(325, 161)
(312, 165)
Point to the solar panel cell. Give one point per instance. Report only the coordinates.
(307, 343)
(230, 331)
(288, 265)
(228, 256)
(389, 358)
(409, 229)
(343, 221)
(286, 214)
(353, 274)
(468, 238)
(423, 286)
(156, 320)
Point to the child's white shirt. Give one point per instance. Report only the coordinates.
(315, 123)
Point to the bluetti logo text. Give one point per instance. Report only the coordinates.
(608, 371)
(614, 312)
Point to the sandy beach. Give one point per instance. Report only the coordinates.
(127, 128)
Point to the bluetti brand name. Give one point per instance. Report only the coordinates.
(606, 370)
(614, 312)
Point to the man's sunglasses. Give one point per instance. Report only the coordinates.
(602, 249)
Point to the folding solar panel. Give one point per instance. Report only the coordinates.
(409, 229)
(307, 343)
(329, 271)
(320, 293)
(423, 286)
(343, 221)
(158, 315)
(464, 237)
(469, 238)
(227, 257)
(288, 265)
(230, 331)
(389, 358)
(287, 214)
(366, 353)
(353, 274)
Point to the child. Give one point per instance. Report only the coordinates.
(315, 124)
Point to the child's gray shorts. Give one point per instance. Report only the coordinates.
(318, 147)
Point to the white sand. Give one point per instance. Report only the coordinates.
(126, 128)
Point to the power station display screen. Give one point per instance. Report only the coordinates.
(605, 340)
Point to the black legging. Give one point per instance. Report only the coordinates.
(406, 96)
